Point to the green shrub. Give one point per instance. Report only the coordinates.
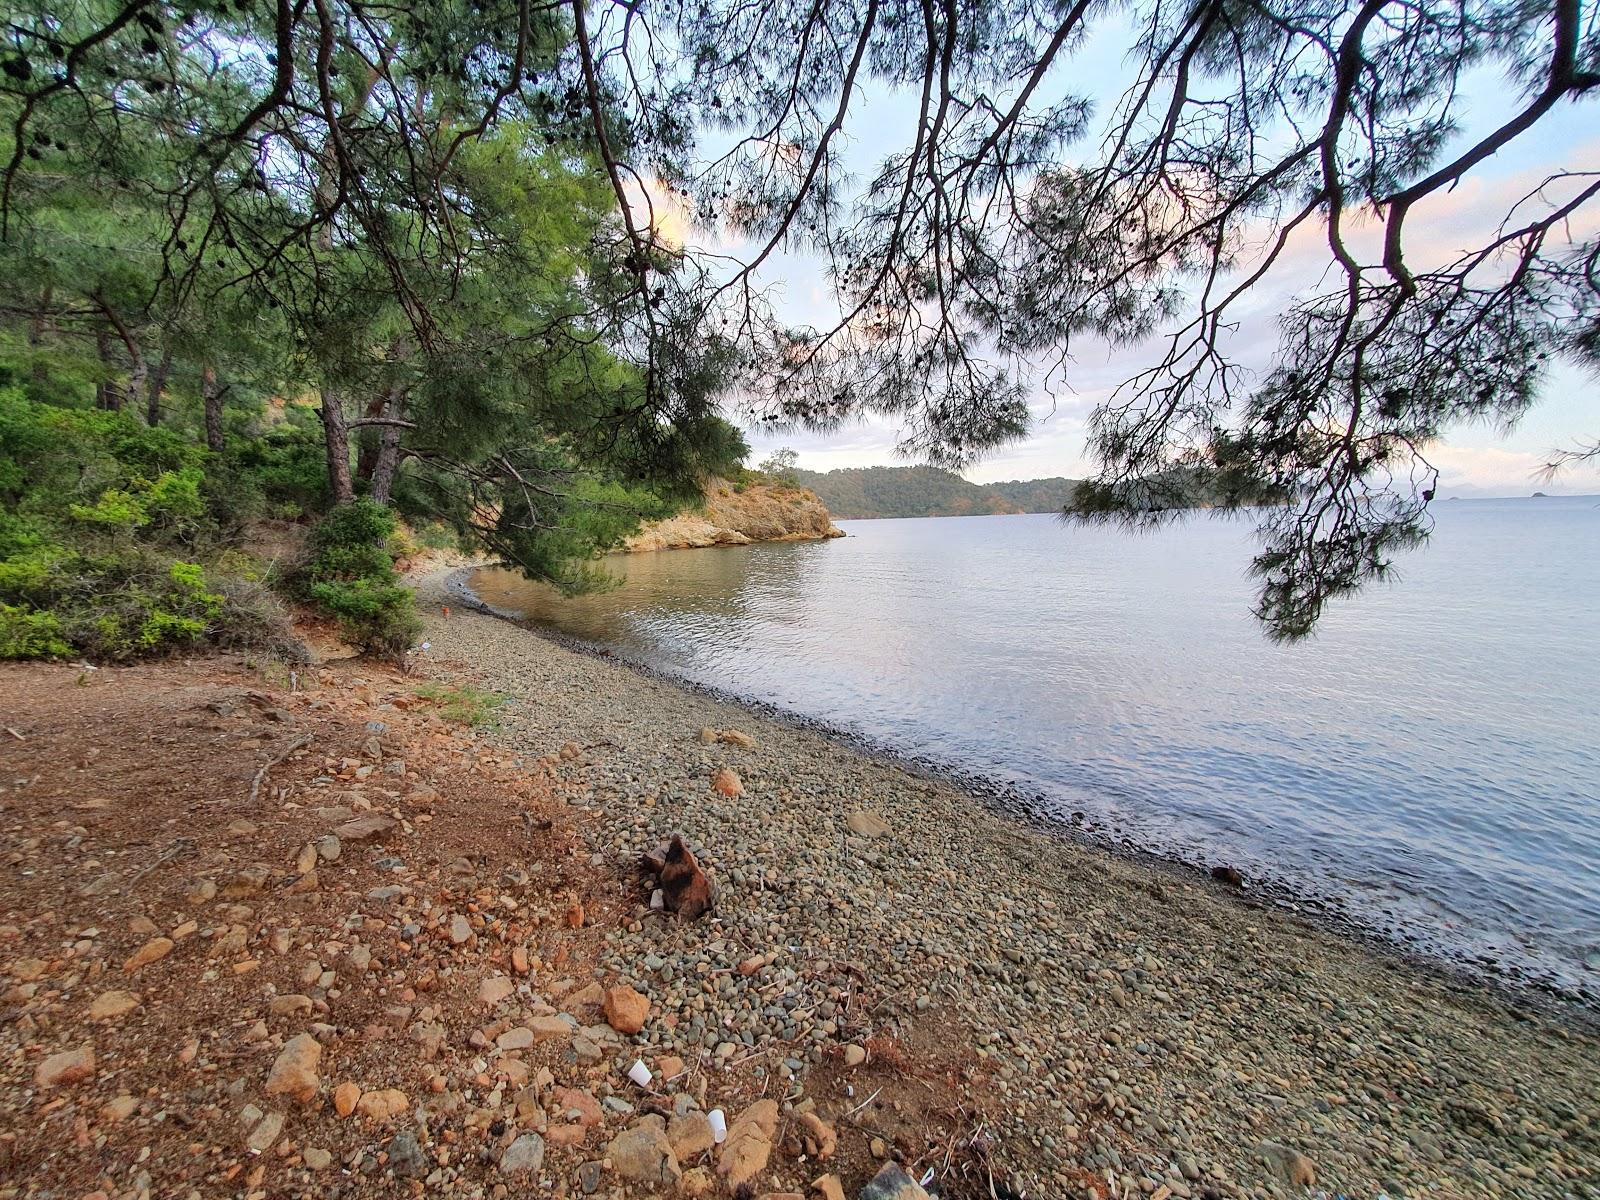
(25, 634)
(105, 527)
(31, 575)
(254, 618)
(140, 606)
(435, 535)
(281, 474)
(378, 617)
(351, 577)
(362, 523)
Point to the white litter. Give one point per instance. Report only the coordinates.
(719, 1125)
(639, 1073)
(926, 1179)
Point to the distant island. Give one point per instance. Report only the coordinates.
(861, 493)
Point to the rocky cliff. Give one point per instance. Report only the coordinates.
(736, 514)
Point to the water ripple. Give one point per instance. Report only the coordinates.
(1428, 764)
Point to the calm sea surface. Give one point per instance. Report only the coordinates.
(1429, 765)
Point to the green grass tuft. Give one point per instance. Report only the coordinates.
(468, 705)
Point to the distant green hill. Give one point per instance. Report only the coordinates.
(1036, 495)
(856, 493)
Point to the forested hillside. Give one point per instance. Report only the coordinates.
(854, 493)
(1036, 495)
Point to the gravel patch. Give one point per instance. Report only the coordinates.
(1144, 1028)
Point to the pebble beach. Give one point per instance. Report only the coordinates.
(1144, 1030)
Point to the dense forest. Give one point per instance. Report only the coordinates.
(854, 493)
(316, 284)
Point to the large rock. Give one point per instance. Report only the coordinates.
(108, 1006)
(866, 824)
(690, 1134)
(345, 1098)
(574, 1104)
(1288, 1164)
(382, 1105)
(685, 888)
(154, 950)
(406, 1157)
(524, 1156)
(69, 1066)
(494, 989)
(265, 1132)
(696, 1183)
(294, 1071)
(590, 995)
(364, 829)
(549, 1029)
(248, 881)
(626, 1009)
(643, 1154)
(748, 1146)
(892, 1183)
(820, 1139)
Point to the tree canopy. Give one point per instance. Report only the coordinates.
(399, 216)
(1015, 222)
(446, 221)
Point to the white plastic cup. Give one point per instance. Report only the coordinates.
(639, 1073)
(719, 1125)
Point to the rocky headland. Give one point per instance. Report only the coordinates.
(735, 514)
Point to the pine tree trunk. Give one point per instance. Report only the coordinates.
(138, 372)
(40, 323)
(211, 397)
(107, 395)
(336, 437)
(36, 331)
(138, 369)
(158, 384)
(367, 443)
(387, 463)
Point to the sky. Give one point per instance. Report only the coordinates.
(1473, 460)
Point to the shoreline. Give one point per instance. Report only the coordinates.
(1033, 811)
(1138, 1020)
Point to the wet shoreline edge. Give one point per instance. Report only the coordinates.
(1033, 811)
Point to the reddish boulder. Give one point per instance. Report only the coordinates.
(626, 1010)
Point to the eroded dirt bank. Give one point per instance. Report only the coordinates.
(330, 941)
